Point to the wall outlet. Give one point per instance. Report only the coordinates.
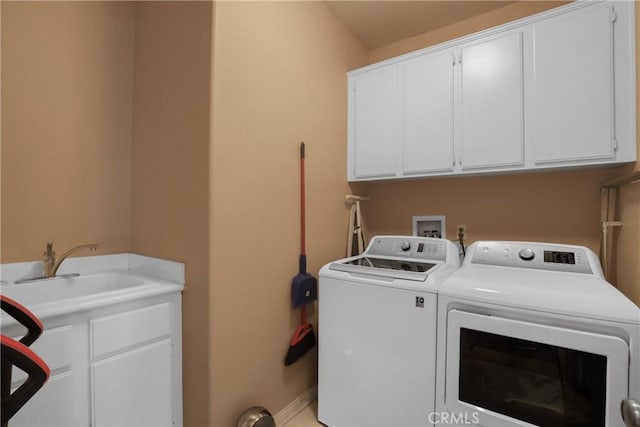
(429, 226)
(461, 229)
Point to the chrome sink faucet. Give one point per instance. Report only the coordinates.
(50, 263)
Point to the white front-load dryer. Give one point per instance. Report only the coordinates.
(532, 334)
(377, 332)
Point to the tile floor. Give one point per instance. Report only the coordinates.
(308, 417)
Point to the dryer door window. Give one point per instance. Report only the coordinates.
(512, 373)
(541, 384)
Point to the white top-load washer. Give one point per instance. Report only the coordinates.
(532, 334)
(377, 332)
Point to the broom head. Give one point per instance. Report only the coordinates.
(303, 340)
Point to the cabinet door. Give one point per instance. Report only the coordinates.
(375, 119)
(427, 123)
(134, 388)
(56, 403)
(491, 96)
(573, 86)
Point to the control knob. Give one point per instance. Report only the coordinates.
(405, 246)
(527, 254)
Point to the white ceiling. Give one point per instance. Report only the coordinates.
(378, 23)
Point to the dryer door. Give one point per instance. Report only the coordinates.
(503, 372)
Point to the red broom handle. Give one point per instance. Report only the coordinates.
(303, 315)
(302, 202)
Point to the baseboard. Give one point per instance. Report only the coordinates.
(287, 413)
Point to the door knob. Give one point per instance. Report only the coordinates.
(630, 409)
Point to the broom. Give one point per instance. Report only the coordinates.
(304, 287)
(303, 340)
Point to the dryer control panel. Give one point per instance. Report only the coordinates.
(408, 247)
(539, 256)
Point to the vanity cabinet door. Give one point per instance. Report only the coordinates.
(373, 124)
(573, 86)
(427, 114)
(56, 403)
(491, 97)
(134, 388)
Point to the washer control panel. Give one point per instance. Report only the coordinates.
(538, 256)
(408, 247)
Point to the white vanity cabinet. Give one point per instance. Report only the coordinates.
(554, 90)
(118, 365)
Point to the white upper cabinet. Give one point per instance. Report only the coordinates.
(491, 94)
(427, 114)
(553, 90)
(373, 124)
(573, 86)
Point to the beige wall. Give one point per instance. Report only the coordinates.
(556, 207)
(66, 126)
(279, 78)
(561, 207)
(170, 193)
(71, 104)
(627, 249)
(507, 13)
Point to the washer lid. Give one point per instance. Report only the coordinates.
(386, 267)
